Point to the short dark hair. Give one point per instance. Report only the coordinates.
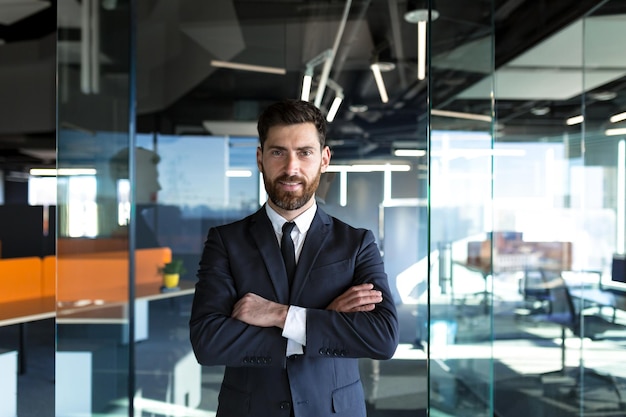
(291, 112)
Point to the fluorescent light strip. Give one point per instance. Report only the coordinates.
(379, 82)
(475, 153)
(575, 120)
(238, 173)
(248, 67)
(343, 188)
(306, 87)
(386, 185)
(615, 132)
(618, 117)
(334, 108)
(262, 192)
(621, 196)
(421, 50)
(51, 172)
(461, 115)
(409, 152)
(367, 168)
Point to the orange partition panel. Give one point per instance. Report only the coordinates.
(104, 276)
(48, 275)
(20, 278)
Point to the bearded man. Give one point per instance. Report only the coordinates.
(289, 298)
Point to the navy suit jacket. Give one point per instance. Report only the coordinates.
(259, 380)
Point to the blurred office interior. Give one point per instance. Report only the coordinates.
(483, 142)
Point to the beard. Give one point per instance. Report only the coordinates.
(289, 200)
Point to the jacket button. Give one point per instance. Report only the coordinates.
(285, 405)
(246, 360)
(322, 351)
(336, 352)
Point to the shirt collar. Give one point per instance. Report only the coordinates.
(303, 221)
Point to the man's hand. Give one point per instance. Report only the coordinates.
(257, 311)
(358, 298)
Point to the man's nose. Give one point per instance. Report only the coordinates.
(293, 164)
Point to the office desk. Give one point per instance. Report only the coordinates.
(22, 312)
(115, 312)
(86, 311)
(600, 298)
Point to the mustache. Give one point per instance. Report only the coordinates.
(290, 178)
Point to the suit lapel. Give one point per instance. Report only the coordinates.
(315, 238)
(265, 238)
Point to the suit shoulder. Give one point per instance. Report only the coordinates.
(341, 226)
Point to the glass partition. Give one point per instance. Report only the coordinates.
(502, 235)
(557, 333)
(94, 259)
(462, 295)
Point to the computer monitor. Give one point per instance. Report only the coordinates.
(618, 269)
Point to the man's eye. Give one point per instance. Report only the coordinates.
(306, 153)
(276, 153)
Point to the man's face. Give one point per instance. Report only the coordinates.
(291, 162)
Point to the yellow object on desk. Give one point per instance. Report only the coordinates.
(171, 280)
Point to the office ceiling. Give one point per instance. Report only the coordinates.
(538, 57)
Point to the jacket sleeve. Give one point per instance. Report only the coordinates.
(216, 338)
(372, 334)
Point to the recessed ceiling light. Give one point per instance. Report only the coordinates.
(540, 111)
(603, 95)
(358, 108)
(385, 66)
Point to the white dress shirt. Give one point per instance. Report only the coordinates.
(295, 324)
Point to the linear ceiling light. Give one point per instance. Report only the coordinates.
(618, 117)
(461, 115)
(409, 152)
(334, 107)
(421, 16)
(238, 173)
(615, 132)
(575, 120)
(248, 67)
(368, 168)
(307, 80)
(375, 67)
(52, 172)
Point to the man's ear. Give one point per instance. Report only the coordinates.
(325, 158)
(259, 158)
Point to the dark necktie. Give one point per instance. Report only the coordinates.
(288, 250)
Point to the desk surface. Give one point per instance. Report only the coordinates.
(98, 311)
(600, 297)
(24, 311)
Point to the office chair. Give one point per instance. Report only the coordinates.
(535, 292)
(563, 312)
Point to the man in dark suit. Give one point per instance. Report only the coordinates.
(291, 349)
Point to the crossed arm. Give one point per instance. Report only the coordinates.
(257, 311)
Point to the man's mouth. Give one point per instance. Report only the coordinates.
(290, 185)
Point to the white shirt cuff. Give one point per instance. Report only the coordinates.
(295, 330)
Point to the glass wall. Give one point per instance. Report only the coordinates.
(558, 329)
(499, 239)
(461, 152)
(98, 319)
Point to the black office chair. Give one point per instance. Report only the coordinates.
(563, 312)
(535, 292)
